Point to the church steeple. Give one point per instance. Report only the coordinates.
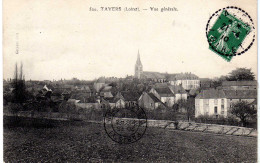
(138, 67)
(138, 61)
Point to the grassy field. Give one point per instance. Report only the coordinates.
(88, 142)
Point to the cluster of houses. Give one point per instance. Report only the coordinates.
(208, 101)
(165, 91)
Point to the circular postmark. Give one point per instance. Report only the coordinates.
(125, 125)
(230, 31)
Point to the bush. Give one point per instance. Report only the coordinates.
(162, 113)
(14, 108)
(220, 120)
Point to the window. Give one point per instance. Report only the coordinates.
(222, 101)
(216, 101)
(206, 110)
(151, 104)
(206, 101)
(216, 110)
(222, 109)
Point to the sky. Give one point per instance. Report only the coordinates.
(63, 39)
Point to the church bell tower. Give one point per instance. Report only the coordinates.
(138, 67)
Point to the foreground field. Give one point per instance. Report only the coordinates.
(88, 142)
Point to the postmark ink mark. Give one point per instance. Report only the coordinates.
(125, 125)
(230, 31)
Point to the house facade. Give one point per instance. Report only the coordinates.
(234, 96)
(149, 101)
(130, 98)
(179, 92)
(217, 102)
(164, 94)
(187, 80)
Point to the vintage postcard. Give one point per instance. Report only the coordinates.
(130, 81)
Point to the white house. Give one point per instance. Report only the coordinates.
(179, 92)
(211, 102)
(217, 102)
(187, 80)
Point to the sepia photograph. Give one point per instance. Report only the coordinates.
(129, 81)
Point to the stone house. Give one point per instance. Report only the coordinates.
(130, 98)
(164, 94)
(187, 80)
(217, 102)
(179, 92)
(149, 101)
(239, 85)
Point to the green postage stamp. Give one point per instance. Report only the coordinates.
(230, 32)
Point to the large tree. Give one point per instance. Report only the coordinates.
(240, 74)
(244, 111)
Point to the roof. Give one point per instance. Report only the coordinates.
(71, 101)
(230, 94)
(177, 89)
(106, 89)
(85, 88)
(119, 96)
(204, 79)
(254, 102)
(194, 91)
(130, 95)
(153, 75)
(79, 95)
(106, 94)
(101, 80)
(164, 91)
(241, 94)
(153, 97)
(239, 83)
(159, 85)
(184, 76)
(112, 100)
(211, 94)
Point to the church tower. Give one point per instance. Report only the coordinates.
(138, 67)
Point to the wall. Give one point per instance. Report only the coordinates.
(186, 126)
(179, 96)
(120, 104)
(202, 109)
(187, 84)
(153, 91)
(145, 101)
(169, 101)
(97, 86)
